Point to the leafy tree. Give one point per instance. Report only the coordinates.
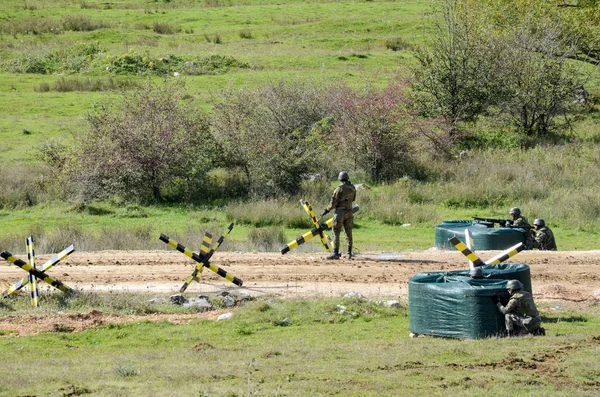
(149, 142)
(274, 134)
(539, 85)
(498, 56)
(371, 128)
(456, 73)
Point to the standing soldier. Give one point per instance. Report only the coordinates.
(519, 221)
(341, 204)
(544, 238)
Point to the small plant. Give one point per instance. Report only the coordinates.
(43, 87)
(267, 238)
(397, 44)
(216, 39)
(80, 23)
(164, 28)
(126, 370)
(246, 34)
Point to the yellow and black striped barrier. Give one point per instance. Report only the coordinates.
(33, 287)
(312, 233)
(202, 259)
(46, 266)
(324, 238)
(504, 255)
(36, 272)
(471, 256)
(204, 250)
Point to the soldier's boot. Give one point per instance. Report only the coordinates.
(335, 254)
(349, 252)
(539, 332)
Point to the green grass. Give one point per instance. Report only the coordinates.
(105, 226)
(342, 40)
(364, 351)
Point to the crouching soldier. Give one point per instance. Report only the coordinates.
(520, 313)
(544, 238)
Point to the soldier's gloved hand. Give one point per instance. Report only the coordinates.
(325, 212)
(502, 223)
(495, 299)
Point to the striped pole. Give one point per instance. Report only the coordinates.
(504, 255)
(469, 241)
(204, 249)
(38, 273)
(315, 222)
(203, 261)
(312, 233)
(33, 286)
(466, 251)
(53, 261)
(207, 255)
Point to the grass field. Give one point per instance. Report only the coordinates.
(342, 40)
(270, 347)
(319, 349)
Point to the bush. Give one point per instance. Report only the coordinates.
(164, 28)
(71, 59)
(142, 146)
(245, 34)
(267, 238)
(397, 44)
(81, 23)
(24, 186)
(33, 26)
(273, 134)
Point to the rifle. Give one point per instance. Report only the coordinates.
(501, 296)
(501, 222)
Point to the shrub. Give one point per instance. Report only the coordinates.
(69, 84)
(71, 59)
(267, 238)
(24, 186)
(33, 26)
(245, 34)
(164, 28)
(81, 23)
(142, 145)
(397, 44)
(273, 134)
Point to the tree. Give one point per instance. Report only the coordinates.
(371, 128)
(456, 71)
(274, 134)
(538, 84)
(141, 145)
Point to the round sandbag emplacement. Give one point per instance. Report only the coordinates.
(485, 236)
(456, 306)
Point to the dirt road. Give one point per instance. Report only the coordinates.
(560, 279)
(570, 276)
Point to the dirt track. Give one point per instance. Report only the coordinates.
(565, 279)
(565, 276)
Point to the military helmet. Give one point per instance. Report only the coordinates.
(476, 272)
(514, 285)
(539, 222)
(343, 176)
(515, 210)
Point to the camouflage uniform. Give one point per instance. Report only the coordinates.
(341, 204)
(544, 239)
(521, 222)
(520, 313)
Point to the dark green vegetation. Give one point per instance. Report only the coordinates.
(291, 348)
(119, 115)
